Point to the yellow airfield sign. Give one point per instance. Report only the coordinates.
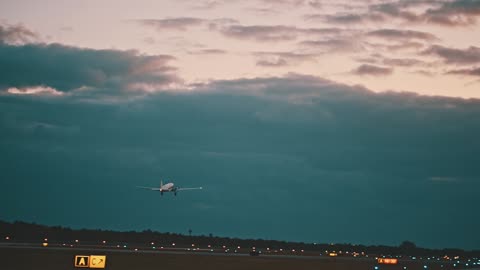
(90, 261)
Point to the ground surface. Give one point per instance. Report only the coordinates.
(39, 258)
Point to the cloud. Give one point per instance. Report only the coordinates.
(208, 4)
(67, 69)
(278, 62)
(404, 35)
(36, 90)
(467, 71)
(272, 33)
(180, 24)
(443, 179)
(377, 58)
(335, 44)
(443, 13)
(208, 51)
(470, 55)
(184, 23)
(17, 34)
(323, 137)
(455, 13)
(366, 69)
(279, 59)
(260, 32)
(348, 18)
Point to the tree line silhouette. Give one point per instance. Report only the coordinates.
(22, 232)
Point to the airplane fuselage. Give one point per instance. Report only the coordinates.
(169, 187)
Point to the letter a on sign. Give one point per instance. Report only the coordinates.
(81, 261)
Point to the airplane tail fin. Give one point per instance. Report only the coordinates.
(161, 183)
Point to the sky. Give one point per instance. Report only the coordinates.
(304, 120)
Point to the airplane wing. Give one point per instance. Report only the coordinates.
(178, 189)
(150, 188)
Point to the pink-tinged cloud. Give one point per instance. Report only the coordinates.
(466, 71)
(280, 59)
(372, 70)
(443, 13)
(181, 24)
(470, 55)
(407, 35)
(274, 33)
(17, 34)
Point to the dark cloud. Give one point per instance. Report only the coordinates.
(455, 13)
(277, 62)
(444, 13)
(395, 10)
(17, 34)
(278, 59)
(335, 45)
(366, 69)
(466, 71)
(408, 45)
(276, 32)
(349, 18)
(261, 33)
(184, 23)
(68, 68)
(172, 24)
(394, 34)
(402, 62)
(348, 152)
(470, 55)
(315, 4)
(377, 58)
(208, 51)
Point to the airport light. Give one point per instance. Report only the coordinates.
(45, 239)
(76, 240)
(104, 241)
(173, 244)
(152, 243)
(7, 237)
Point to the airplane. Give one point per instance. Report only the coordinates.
(169, 187)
